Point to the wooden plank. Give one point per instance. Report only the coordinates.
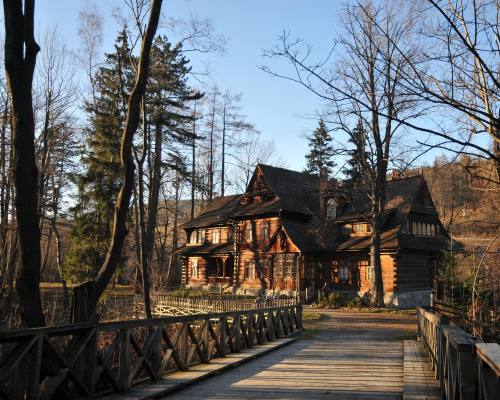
(419, 381)
(181, 379)
(490, 353)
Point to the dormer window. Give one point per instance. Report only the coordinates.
(248, 232)
(201, 236)
(194, 237)
(331, 209)
(215, 235)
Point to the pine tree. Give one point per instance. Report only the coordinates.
(320, 156)
(358, 163)
(99, 185)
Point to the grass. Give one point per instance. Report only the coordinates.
(408, 334)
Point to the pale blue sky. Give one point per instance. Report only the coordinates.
(272, 104)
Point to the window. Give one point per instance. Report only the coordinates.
(331, 209)
(347, 229)
(288, 269)
(194, 268)
(369, 274)
(414, 228)
(368, 227)
(433, 230)
(428, 229)
(194, 237)
(419, 228)
(264, 269)
(215, 235)
(264, 231)
(360, 227)
(278, 269)
(201, 236)
(344, 270)
(250, 270)
(230, 237)
(248, 232)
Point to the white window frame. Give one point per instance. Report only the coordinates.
(194, 268)
(216, 235)
(248, 232)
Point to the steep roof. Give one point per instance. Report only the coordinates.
(274, 189)
(402, 197)
(279, 189)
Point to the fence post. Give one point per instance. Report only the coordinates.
(441, 350)
(124, 359)
(183, 348)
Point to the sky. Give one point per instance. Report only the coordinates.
(275, 106)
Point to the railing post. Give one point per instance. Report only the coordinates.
(237, 333)
(91, 357)
(157, 352)
(206, 337)
(223, 337)
(441, 348)
(124, 360)
(183, 346)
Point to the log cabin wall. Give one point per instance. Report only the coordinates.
(346, 271)
(415, 272)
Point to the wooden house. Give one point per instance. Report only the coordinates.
(286, 234)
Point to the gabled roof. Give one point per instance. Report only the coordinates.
(272, 190)
(403, 196)
(283, 189)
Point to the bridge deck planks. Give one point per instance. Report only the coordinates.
(311, 369)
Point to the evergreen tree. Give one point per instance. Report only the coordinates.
(99, 185)
(358, 164)
(320, 156)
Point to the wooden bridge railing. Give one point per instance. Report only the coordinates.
(466, 367)
(163, 305)
(90, 360)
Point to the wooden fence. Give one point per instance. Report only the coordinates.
(467, 368)
(90, 360)
(168, 305)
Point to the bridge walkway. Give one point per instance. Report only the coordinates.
(342, 355)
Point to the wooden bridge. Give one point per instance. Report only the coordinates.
(346, 355)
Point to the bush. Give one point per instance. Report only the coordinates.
(355, 303)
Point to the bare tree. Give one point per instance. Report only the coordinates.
(363, 85)
(460, 74)
(21, 50)
(88, 294)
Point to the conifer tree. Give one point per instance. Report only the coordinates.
(99, 185)
(320, 156)
(358, 165)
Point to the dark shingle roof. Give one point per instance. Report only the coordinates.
(207, 248)
(294, 191)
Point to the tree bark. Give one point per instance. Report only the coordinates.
(20, 57)
(120, 231)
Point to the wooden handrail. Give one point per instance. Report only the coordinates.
(90, 360)
(467, 368)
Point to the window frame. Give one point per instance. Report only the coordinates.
(264, 231)
(194, 268)
(343, 270)
(216, 235)
(250, 270)
(248, 232)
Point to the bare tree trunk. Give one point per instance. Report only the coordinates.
(120, 231)
(20, 58)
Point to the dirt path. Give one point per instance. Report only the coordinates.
(343, 355)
